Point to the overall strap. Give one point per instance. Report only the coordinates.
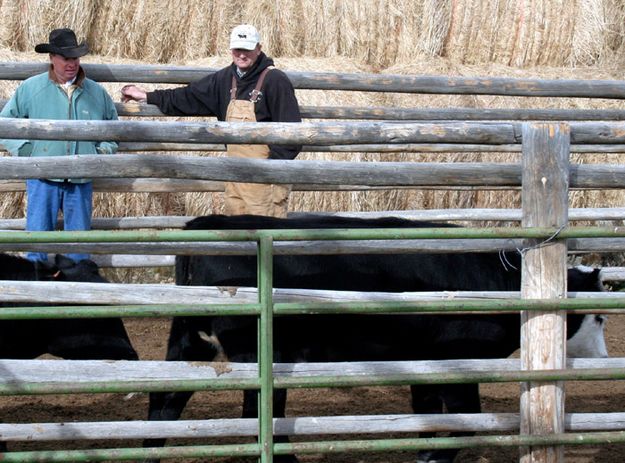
(254, 94)
(257, 93)
(233, 88)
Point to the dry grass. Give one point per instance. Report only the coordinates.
(379, 33)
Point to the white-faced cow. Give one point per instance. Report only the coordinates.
(74, 339)
(321, 338)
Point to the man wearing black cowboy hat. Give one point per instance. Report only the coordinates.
(63, 92)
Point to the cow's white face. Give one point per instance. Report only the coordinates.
(589, 340)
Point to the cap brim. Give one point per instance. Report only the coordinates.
(242, 45)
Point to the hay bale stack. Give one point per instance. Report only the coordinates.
(379, 33)
(163, 30)
(26, 23)
(533, 32)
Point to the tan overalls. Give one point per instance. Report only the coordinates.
(252, 198)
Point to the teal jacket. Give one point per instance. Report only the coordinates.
(41, 98)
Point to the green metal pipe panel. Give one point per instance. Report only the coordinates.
(322, 447)
(155, 385)
(60, 456)
(388, 445)
(265, 310)
(87, 311)
(114, 236)
(455, 377)
(266, 381)
(265, 349)
(448, 306)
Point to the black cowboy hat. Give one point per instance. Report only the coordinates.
(63, 42)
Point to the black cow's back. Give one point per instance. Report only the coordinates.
(353, 272)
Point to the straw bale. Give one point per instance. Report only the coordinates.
(614, 47)
(163, 30)
(375, 32)
(379, 33)
(28, 22)
(529, 32)
(10, 26)
(589, 41)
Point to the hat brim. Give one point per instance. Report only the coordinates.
(67, 52)
(242, 45)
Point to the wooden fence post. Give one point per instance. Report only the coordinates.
(545, 176)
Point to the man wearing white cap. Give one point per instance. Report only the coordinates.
(249, 90)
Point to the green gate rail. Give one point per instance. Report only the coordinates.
(23, 387)
(326, 447)
(585, 305)
(110, 236)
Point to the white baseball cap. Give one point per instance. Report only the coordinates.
(245, 37)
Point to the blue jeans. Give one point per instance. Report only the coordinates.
(44, 200)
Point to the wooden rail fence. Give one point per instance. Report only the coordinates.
(545, 184)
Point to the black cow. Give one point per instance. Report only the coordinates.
(362, 337)
(74, 339)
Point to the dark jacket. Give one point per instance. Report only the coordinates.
(210, 97)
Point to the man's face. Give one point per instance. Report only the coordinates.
(64, 68)
(245, 59)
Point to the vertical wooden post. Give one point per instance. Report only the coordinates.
(545, 163)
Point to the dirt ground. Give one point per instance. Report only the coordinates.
(149, 338)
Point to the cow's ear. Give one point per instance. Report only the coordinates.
(63, 262)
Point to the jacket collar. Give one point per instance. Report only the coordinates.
(80, 77)
(259, 66)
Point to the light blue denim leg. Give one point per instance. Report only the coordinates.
(43, 203)
(77, 209)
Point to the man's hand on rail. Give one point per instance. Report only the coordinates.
(133, 93)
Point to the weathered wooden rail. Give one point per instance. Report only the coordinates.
(351, 82)
(319, 133)
(414, 114)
